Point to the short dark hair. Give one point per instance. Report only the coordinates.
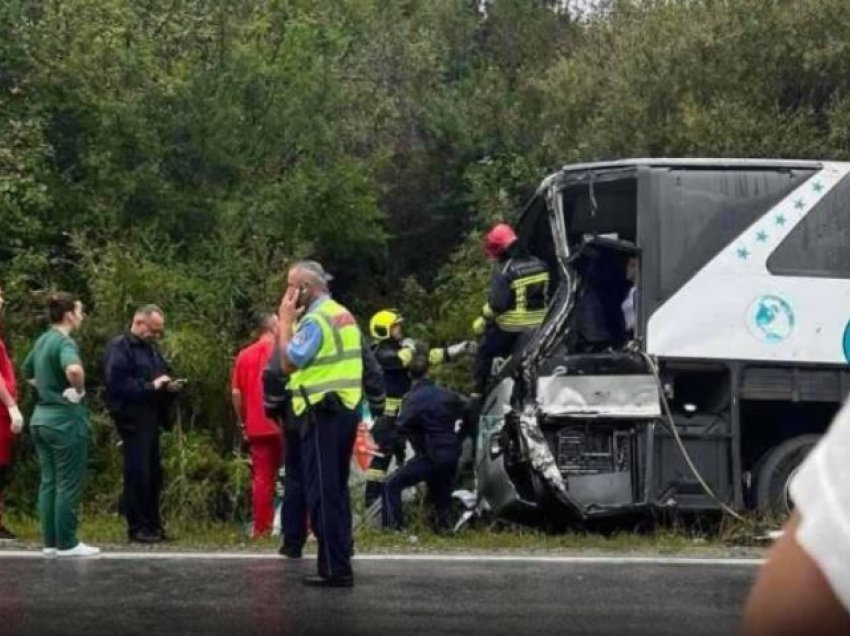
(59, 304)
(418, 367)
(265, 322)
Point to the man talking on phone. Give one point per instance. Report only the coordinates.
(320, 347)
(140, 392)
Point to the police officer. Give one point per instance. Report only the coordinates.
(140, 396)
(293, 511)
(322, 354)
(394, 353)
(517, 300)
(431, 417)
(278, 406)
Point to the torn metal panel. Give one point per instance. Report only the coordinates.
(541, 459)
(611, 396)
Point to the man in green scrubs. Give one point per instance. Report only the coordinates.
(60, 426)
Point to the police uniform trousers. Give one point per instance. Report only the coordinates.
(139, 432)
(293, 510)
(326, 455)
(438, 474)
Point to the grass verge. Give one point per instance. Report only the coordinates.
(109, 530)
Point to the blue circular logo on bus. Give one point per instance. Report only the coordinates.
(847, 342)
(771, 318)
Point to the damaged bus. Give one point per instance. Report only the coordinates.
(733, 361)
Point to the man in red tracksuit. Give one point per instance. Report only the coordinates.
(11, 423)
(263, 434)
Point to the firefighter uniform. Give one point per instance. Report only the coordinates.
(394, 354)
(517, 302)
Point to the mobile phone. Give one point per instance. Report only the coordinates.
(302, 292)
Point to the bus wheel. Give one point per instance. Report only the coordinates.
(776, 471)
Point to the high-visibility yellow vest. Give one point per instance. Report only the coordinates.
(338, 364)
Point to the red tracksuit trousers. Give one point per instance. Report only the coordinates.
(266, 453)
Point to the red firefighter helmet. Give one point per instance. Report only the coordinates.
(498, 240)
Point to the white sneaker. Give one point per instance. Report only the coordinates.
(79, 550)
(49, 552)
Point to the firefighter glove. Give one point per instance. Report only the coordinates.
(479, 325)
(457, 349)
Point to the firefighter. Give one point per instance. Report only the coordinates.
(394, 353)
(517, 300)
(432, 418)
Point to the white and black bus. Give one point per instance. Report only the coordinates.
(736, 361)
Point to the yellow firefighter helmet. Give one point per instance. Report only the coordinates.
(382, 322)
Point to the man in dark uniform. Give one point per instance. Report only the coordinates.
(394, 353)
(516, 303)
(139, 395)
(431, 417)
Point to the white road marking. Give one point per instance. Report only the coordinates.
(459, 558)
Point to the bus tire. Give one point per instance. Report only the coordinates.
(775, 472)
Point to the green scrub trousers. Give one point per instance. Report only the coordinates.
(62, 455)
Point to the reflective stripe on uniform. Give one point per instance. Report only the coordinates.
(520, 318)
(393, 406)
(406, 356)
(339, 353)
(332, 385)
(375, 474)
(526, 281)
(337, 366)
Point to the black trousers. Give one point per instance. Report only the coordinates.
(438, 475)
(293, 510)
(139, 432)
(326, 454)
(494, 344)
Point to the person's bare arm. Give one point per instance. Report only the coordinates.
(791, 596)
(29, 370)
(6, 397)
(76, 377)
(8, 400)
(236, 399)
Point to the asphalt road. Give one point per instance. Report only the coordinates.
(154, 596)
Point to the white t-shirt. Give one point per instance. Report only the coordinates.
(821, 494)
